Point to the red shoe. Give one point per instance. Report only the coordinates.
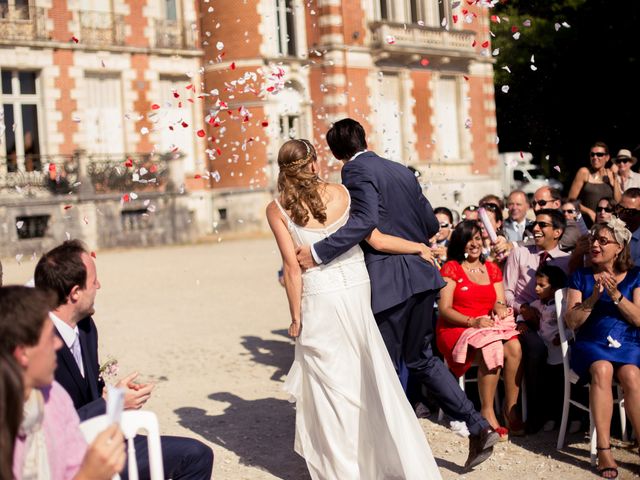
(503, 432)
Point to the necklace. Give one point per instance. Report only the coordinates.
(474, 269)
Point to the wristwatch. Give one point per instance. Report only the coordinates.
(617, 302)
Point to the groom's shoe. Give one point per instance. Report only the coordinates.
(481, 447)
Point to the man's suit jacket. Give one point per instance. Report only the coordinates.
(86, 392)
(510, 232)
(386, 195)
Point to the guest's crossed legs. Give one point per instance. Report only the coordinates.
(407, 330)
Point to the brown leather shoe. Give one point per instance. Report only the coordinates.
(481, 447)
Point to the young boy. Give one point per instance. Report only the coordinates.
(548, 280)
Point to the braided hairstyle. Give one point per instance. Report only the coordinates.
(297, 184)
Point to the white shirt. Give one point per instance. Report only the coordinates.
(68, 334)
(315, 256)
(632, 182)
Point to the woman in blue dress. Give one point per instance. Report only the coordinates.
(603, 305)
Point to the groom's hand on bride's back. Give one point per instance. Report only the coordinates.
(305, 259)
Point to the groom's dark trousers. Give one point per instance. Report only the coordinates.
(387, 196)
(183, 458)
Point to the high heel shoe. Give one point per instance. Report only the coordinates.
(516, 427)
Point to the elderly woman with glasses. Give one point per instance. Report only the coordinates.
(595, 181)
(603, 305)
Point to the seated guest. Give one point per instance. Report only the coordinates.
(603, 306)
(628, 210)
(70, 271)
(570, 209)
(48, 443)
(473, 313)
(605, 210)
(520, 290)
(440, 240)
(516, 223)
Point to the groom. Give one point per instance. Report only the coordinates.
(386, 195)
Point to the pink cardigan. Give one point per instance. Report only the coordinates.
(65, 444)
(488, 340)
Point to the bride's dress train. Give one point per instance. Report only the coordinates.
(353, 420)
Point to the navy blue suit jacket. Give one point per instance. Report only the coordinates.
(86, 392)
(386, 195)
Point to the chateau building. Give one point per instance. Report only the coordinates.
(418, 74)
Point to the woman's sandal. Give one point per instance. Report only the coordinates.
(605, 470)
(516, 427)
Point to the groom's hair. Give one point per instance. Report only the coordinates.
(346, 138)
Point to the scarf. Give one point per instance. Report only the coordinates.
(36, 461)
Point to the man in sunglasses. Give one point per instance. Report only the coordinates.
(628, 211)
(520, 290)
(627, 178)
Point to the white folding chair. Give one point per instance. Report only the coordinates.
(131, 423)
(570, 377)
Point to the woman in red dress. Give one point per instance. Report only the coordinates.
(474, 299)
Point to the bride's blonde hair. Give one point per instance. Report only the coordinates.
(297, 184)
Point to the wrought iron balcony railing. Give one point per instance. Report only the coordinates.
(174, 35)
(22, 22)
(60, 174)
(101, 28)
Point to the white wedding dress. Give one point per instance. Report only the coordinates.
(353, 420)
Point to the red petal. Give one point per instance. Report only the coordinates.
(93, 254)
(201, 133)
(197, 175)
(128, 163)
(74, 39)
(424, 62)
(265, 123)
(465, 77)
(52, 167)
(233, 65)
(514, 29)
(67, 207)
(153, 168)
(474, 43)
(155, 106)
(176, 94)
(485, 44)
(125, 197)
(185, 124)
(189, 87)
(455, 18)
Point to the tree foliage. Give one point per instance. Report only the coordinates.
(581, 88)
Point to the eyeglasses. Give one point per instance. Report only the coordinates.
(627, 211)
(604, 209)
(542, 203)
(597, 154)
(623, 160)
(602, 241)
(570, 211)
(490, 206)
(541, 224)
(445, 225)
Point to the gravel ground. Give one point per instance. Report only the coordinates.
(207, 324)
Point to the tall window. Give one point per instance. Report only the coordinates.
(448, 118)
(174, 114)
(170, 10)
(389, 117)
(21, 139)
(286, 24)
(103, 119)
(385, 10)
(14, 9)
(289, 126)
(291, 112)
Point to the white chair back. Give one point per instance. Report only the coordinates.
(131, 423)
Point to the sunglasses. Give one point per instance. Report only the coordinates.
(471, 208)
(541, 224)
(490, 206)
(597, 154)
(623, 160)
(445, 225)
(627, 211)
(570, 211)
(542, 203)
(604, 209)
(602, 241)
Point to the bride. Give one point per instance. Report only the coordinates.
(353, 420)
